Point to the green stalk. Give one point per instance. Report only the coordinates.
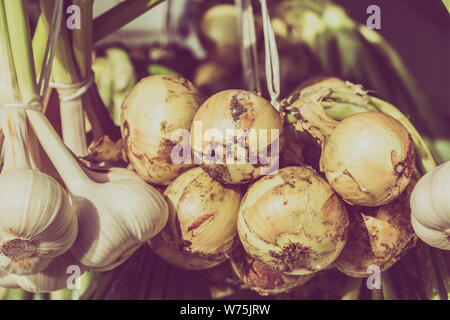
(432, 122)
(447, 4)
(39, 43)
(121, 15)
(21, 51)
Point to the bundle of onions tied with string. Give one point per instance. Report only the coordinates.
(314, 191)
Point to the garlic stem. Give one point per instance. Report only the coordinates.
(65, 72)
(66, 165)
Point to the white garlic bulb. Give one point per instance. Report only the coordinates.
(115, 216)
(430, 207)
(37, 222)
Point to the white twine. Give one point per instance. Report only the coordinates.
(271, 59)
(249, 50)
(82, 86)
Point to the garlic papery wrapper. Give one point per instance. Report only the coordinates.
(293, 221)
(430, 207)
(7, 280)
(377, 236)
(202, 220)
(153, 113)
(63, 272)
(37, 222)
(237, 136)
(263, 279)
(114, 217)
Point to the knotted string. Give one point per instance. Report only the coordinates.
(82, 86)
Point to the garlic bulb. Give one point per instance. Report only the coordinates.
(115, 217)
(293, 221)
(237, 136)
(377, 236)
(63, 272)
(202, 221)
(155, 109)
(219, 30)
(430, 207)
(37, 222)
(264, 279)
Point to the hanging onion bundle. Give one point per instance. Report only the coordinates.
(293, 221)
(202, 221)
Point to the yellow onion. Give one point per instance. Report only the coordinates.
(154, 109)
(368, 159)
(377, 236)
(237, 136)
(293, 221)
(202, 221)
(219, 30)
(263, 279)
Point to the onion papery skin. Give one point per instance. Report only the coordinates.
(202, 221)
(293, 221)
(242, 112)
(156, 107)
(377, 236)
(368, 159)
(263, 279)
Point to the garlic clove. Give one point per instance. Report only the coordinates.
(37, 222)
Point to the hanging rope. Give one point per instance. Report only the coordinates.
(272, 61)
(249, 50)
